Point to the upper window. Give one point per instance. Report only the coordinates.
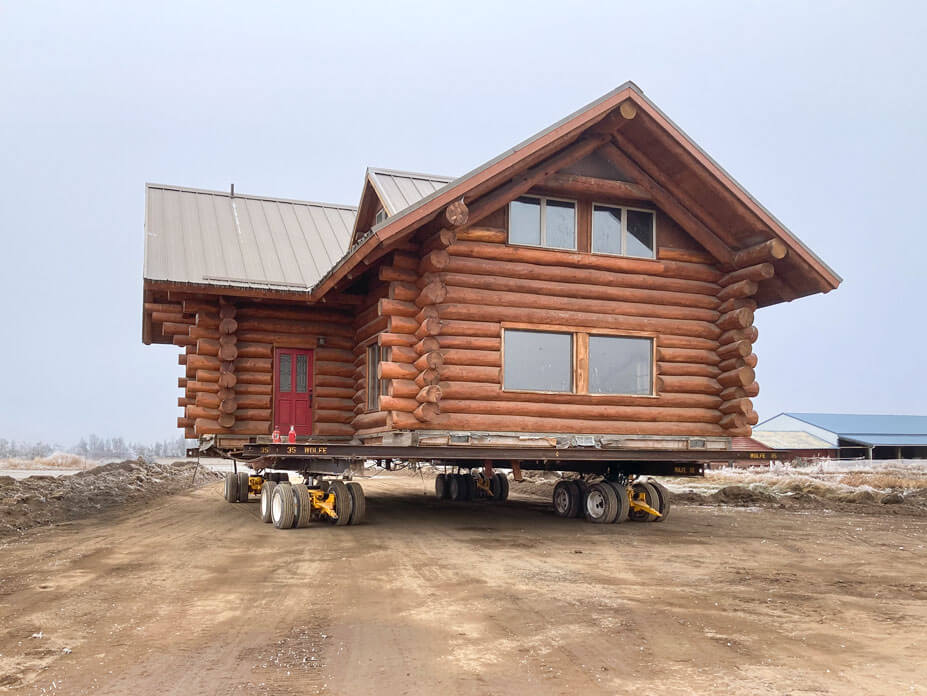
(538, 361)
(545, 222)
(624, 231)
(380, 216)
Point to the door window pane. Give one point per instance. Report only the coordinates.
(620, 365)
(639, 241)
(538, 361)
(525, 221)
(561, 224)
(606, 230)
(286, 373)
(302, 373)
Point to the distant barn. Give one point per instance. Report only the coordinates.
(854, 435)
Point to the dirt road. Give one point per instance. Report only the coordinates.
(191, 595)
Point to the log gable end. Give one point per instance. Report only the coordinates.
(640, 328)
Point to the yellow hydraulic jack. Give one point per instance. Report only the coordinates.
(482, 483)
(255, 483)
(638, 502)
(323, 503)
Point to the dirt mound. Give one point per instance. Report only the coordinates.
(42, 500)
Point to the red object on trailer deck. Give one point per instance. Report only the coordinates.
(276, 436)
(291, 436)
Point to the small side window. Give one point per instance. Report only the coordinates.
(373, 381)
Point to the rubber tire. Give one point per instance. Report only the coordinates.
(303, 506)
(343, 502)
(267, 494)
(231, 487)
(565, 499)
(624, 504)
(664, 506)
(583, 489)
(358, 503)
(650, 497)
(242, 487)
(472, 490)
(601, 503)
(454, 487)
(283, 508)
(283, 477)
(441, 487)
(464, 486)
(499, 485)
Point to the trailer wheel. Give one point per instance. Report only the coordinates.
(267, 494)
(303, 504)
(283, 508)
(343, 503)
(472, 491)
(650, 497)
(601, 503)
(499, 485)
(243, 487)
(231, 487)
(582, 489)
(358, 502)
(663, 501)
(566, 498)
(624, 503)
(283, 477)
(441, 486)
(453, 486)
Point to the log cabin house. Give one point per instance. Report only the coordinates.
(594, 284)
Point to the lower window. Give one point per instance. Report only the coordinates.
(538, 361)
(620, 365)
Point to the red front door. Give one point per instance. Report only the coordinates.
(293, 390)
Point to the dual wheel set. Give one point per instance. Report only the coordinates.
(606, 502)
(295, 505)
(472, 486)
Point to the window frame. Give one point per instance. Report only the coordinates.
(580, 359)
(543, 223)
(624, 230)
(375, 387)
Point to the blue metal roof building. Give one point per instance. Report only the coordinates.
(876, 436)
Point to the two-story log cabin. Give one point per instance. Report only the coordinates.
(599, 279)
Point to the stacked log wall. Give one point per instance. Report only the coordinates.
(228, 357)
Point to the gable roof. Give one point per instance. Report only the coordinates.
(212, 238)
(743, 219)
(869, 428)
(790, 439)
(399, 190)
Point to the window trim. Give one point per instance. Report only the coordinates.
(543, 223)
(370, 378)
(580, 375)
(624, 230)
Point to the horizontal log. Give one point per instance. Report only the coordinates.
(427, 412)
(254, 365)
(740, 289)
(434, 261)
(529, 424)
(493, 392)
(736, 319)
(429, 394)
(402, 275)
(688, 369)
(427, 377)
(208, 376)
(192, 306)
(475, 329)
(374, 419)
(184, 422)
(294, 313)
(733, 420)
(529, 298)
(740, 377)
(396, 308)
(207, 346)
(226, 420)
(394, 339)
(252, 414)
(205, 426)
(227, 311)
(549, 257)
(687, 342)
(183, 401)
(392, 403)
(345, 381)
(330, 403)
(255, 350)
(685, 255)
(743, 406)
(406, 292)
(171, 318)
(402, 325)
(531, 315)
(489, 235)
(394, 370)
(485, 265)
(595, 412)
(753, 418)
(193, 387)
(433, 293)
(253, 378)
(735, 362)
(181, 382)
(208, 320)
(751, 390)
(360, 396)
(300, 328)
(403, 354)
(611, 293)
(687, 355)
(427, 345)
(485, 358)
(227, 379)
(332, 429)
(757, 273)
(202, 362)
(326, 416)
(441, 240)
(770, 250)
(478, 343)
(194, 412)
(228, 406)
(737, 349)
(253, 389)
(429, 361)
(403, 388)
(228, 326)
(399, 420)
(168, 307)
(737, 303)
(469, 373)
(751, 333)
(594, 187)
(688, 385)
(327, 354)
(336, 369)
(229, 353)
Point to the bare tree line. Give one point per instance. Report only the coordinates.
(94, 447)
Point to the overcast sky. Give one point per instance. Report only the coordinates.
(818, 109)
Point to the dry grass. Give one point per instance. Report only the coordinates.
(884, 481)
(58, 460)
